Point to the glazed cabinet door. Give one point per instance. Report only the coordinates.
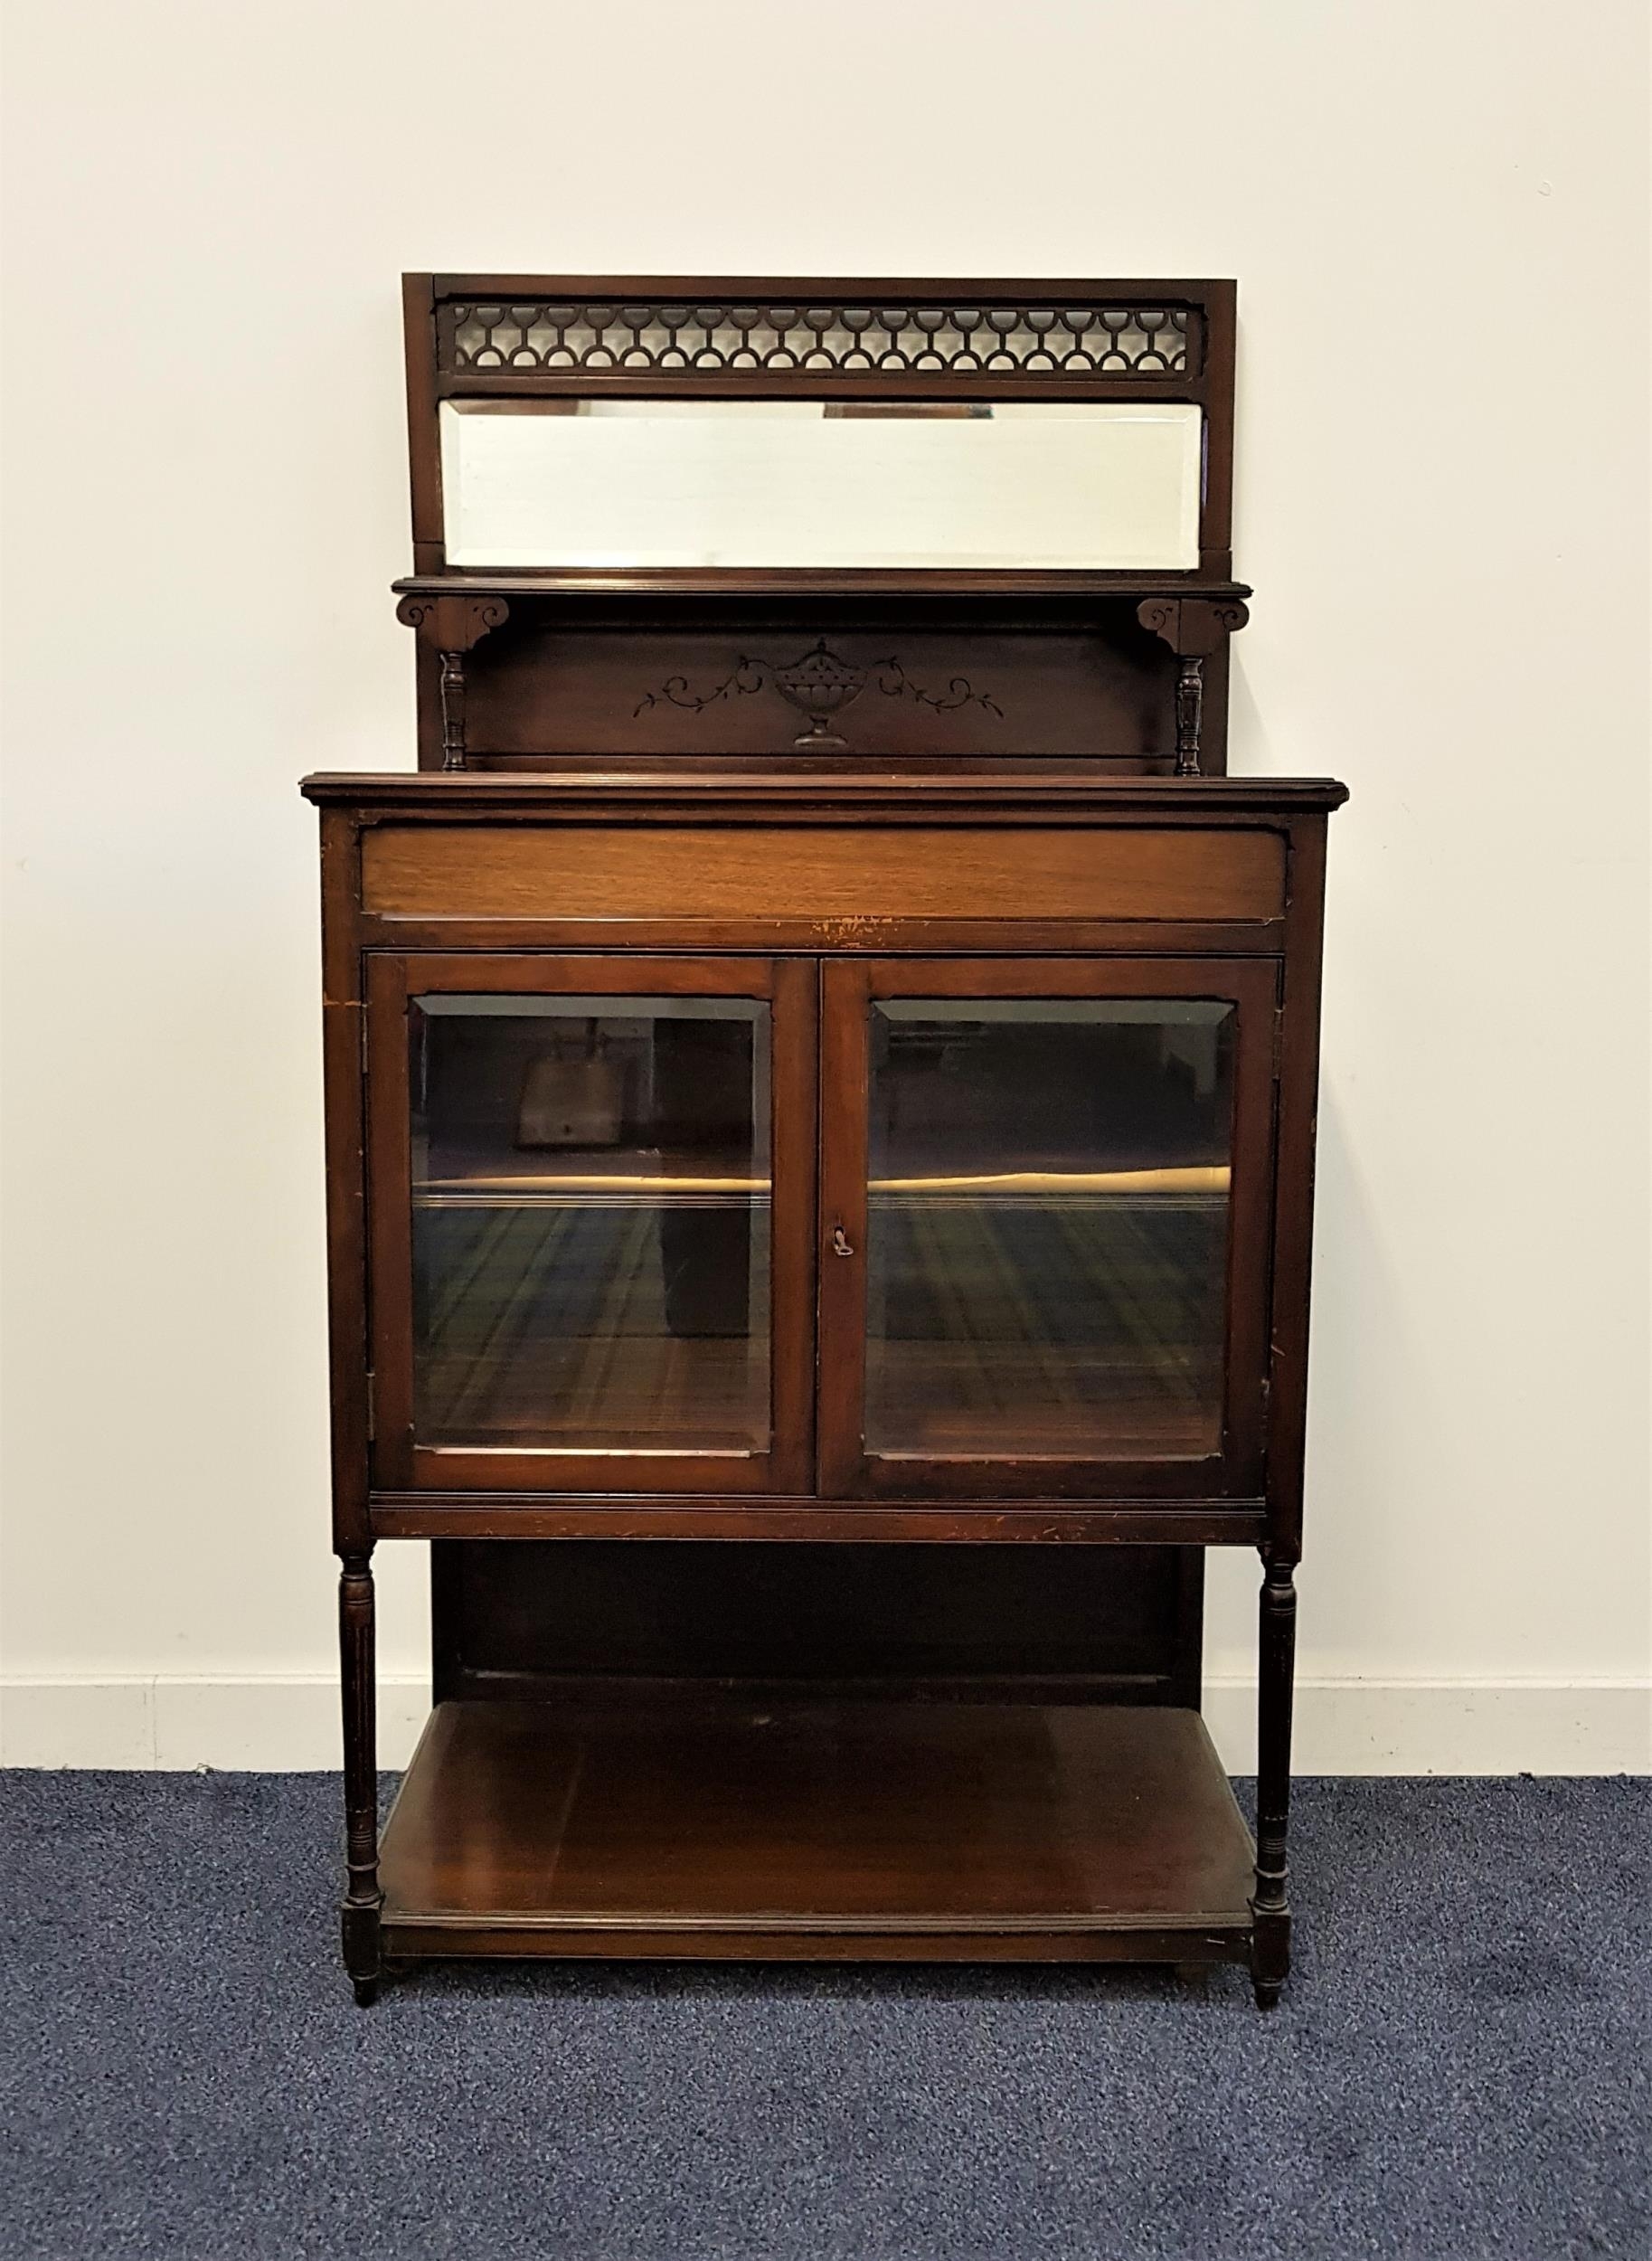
(592, 1217)
(1045, 1207)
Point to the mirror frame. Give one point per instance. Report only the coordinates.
(436, 308)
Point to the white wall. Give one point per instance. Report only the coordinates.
(1437, 211)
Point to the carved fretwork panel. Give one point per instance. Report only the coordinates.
(824, 339)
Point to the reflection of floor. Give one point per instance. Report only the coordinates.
(1016, 1399)
(1079, 1325)
(1075, 1326)
(600, 1327)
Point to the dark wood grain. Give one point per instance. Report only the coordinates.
(814, 1702)
(1293, 1248)
(1173, 1519)
(825, 872)
(1173, 1468)
(1270, 1907)
(362, 1897)
(343, 1016)
(688, 793)
(535, 691)
(936, 686)
(868, 937)
(706, 1821)
(542, 1618)
(424, 454)
(399, 1462)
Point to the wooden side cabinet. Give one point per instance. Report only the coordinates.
(819, 1266)
(820, 1071)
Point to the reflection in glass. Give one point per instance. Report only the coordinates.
(590, 1223)
(1048, 1226)
(986, 485)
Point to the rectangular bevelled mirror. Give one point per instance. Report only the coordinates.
(630, 482)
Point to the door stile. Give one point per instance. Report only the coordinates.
(1256, 986)
(390, 1224)
(794, 1154)
(845, 989)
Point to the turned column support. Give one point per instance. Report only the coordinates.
(358, 1680)
(451, 625)
(1276, 1672)
(1193, 628)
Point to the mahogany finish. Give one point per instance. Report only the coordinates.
(708, 1825)
(820, 873)
(825, 1694)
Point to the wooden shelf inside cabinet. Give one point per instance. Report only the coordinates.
(709, 1826)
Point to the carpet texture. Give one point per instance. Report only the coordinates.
(1459, 2068)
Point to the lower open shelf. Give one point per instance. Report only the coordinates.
(705, 1823)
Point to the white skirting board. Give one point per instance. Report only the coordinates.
(277, 1723)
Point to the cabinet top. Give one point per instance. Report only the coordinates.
(864, 799)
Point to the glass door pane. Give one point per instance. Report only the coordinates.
(1047, 1225)
(590, 1185)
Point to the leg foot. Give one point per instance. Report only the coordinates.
(360, 1926)
(366, 1991)
(362, 1897)
(1269, 1904)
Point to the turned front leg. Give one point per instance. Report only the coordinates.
(451, 692)
(362, 1897)
(1270, 1909)
(1189, 711)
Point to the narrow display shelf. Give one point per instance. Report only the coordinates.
(706, 1824)
(703, 580)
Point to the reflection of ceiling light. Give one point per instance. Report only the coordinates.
(579, 1182)
(1194, 1178)
(1191, 1178)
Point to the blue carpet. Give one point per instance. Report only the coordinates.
(1459, 2068)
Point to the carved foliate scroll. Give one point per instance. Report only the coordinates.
(819, 684)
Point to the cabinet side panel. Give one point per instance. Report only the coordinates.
(1299, 1107)
(346, 1179)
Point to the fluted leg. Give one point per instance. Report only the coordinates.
(1271, 1911)
(362, 1897)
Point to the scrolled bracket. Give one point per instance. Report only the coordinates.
(1193, 628)
(451, 625)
